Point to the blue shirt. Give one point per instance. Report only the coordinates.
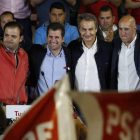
(53, 68)
(71, 33)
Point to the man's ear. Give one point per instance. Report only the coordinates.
(49, 14)
(97, 27)
(113, 19)
(63, 39)
(21, 38)
(135, 28)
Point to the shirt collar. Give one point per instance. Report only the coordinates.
(49, 53)
(131, 45)
(94, 46)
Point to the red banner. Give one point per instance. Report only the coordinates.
(45, 120)
(110, 116)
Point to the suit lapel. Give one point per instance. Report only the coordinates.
(39, 58)
(117, 48)
(77, 53)
(67, 57)
(99, 34)
(99, 63)
(136, 55)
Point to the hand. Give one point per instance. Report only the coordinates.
(109, 35)
(45, 45)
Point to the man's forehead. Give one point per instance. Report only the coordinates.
(7, 16)
(57, 11)
(124, 24)
(87, 24)
(11, 29)
(105, 13)
(51, 31)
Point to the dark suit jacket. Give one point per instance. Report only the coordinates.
(102, 58)
(36, 56)
(114, 66)
(100, 35)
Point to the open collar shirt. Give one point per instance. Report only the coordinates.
(86, 73)
(128, 80)
(53, 68)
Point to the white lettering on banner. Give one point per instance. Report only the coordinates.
(118, 118)
(126, 116)
(137, 130)
(112, 121)
(29, 136)
(41, 133)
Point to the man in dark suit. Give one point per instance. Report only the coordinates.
(107, 30)
(125, 73)
(50, 64)
(91, 57)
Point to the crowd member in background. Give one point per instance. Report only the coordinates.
(126, 57)
(57, 14)
(21, 11)
(8, 16)
(74, 13)
(50, 64)
(43, 7)
(135, 12)
(14, 66)
(91, 57)
(93, 7)
(122, 11)
(107, 30)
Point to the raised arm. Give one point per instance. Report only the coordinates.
(34, 3)
(131, 4)
(71, 2)
(86, 2)
(115, 2)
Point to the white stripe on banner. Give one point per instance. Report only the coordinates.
(66, 128)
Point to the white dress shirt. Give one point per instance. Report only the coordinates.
(86, 74)
(128, 79)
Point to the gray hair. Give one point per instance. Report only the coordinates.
(87, 17)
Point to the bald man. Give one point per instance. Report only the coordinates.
(126, 57)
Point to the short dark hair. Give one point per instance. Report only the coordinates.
(87, 17)
(7, 13)
(105, 9)
(57, 5)
(15, 25)
(56, 26)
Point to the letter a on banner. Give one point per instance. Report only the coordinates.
(49, 118)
